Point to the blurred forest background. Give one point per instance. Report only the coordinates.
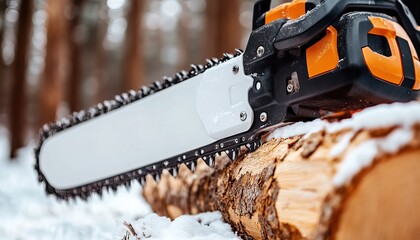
(61, 56)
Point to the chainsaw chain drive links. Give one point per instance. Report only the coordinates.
(140, 174)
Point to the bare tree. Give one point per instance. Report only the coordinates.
(56, 61)
(99, 58)
(75, 73)
(20, 65)
(2, 83)
(133, 67)
(223, 30)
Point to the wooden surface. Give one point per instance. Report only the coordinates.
(287, 189)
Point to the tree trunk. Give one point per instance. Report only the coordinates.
(2, 66)
(100, 57)
(345, 184)
(75, 74)
(133, 67)
(56, 61)
(223, 31)
(20, 65)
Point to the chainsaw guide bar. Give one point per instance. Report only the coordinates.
(189, 159)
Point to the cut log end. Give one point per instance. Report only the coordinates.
(383, 204)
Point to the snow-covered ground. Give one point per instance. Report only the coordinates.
(27, 213)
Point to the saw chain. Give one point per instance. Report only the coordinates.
(111, 183)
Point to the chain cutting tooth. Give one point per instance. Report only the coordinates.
(230, 154)
(142, 180)
(167, 81)
(119, 99)
(210, 160)
(237, 152)
(228, 56)
(209, 64)
(191, 165)
(238, 51)
(83, 196)
(145, 90)
(174, 171)
(233, 153)
(184, 75)
(179, 76)
(215, 61)
(194, 70)
(125, 97)
(40, 178)
(156, 177)
(201, 67)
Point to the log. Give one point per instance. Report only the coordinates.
(353, 179)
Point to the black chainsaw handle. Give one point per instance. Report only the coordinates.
(300, 31)
(260, 7)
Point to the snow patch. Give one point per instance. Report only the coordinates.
(384, 115)
(339, 148)
(299, 128)
(402, 115)
(202, 226)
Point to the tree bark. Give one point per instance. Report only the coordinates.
(100, 57)
(290, 188)
(222, 30)
(19, 70)
(75, 73)
(133, 67)
(2, 66)
(56, 61)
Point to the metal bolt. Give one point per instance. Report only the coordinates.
(263, 116)
(258, 85)
(235, 69)
(260, 51)
(243, 116)
(290, 88)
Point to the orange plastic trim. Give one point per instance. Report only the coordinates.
(290, 10)
(390, 68)
(323, 55)
(417, 74)
(386, 68)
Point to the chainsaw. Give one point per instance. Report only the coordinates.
(303, 59)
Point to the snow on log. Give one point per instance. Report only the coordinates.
(353, 179)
